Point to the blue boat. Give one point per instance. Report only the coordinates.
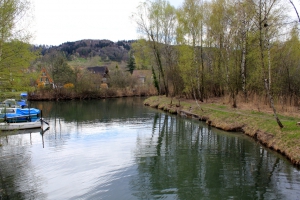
(23, 102)
(12, 115)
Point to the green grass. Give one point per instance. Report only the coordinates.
(9, 95)
(222, 107)
(257, 113)
(88, 62)
(78, 62)
(293, 136)
(290, 118)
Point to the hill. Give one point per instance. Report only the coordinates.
(107, 50)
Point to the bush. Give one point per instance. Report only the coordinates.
(68, 85)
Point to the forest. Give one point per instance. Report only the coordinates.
(245, 49)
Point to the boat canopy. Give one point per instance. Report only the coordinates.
(23, 94)
(18, 112)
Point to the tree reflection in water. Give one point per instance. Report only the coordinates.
(185, 159)
(14, 169)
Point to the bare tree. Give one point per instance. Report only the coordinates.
(153, 23)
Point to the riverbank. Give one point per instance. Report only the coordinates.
(64, 94)
(258, 124)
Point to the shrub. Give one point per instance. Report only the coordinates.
(41, 85)
(69, 85)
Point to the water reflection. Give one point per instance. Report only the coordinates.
(16, 163)
(88, 111)
(119, 149)
(184, 159)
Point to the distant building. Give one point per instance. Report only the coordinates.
(99, 76)
(44, 78)
(142, 75)
(103, 70)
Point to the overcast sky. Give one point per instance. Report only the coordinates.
(59, 21)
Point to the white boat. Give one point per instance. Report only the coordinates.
(13, 103)
(23, 125)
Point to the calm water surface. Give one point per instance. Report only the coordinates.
(119, 149)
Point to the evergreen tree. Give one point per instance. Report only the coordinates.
(131, 63)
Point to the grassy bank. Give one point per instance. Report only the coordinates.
(9, 95)
(260, 125)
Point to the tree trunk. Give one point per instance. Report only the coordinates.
(272, 103)
(159, 63)
(243, 65)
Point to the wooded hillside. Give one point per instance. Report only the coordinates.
(105, 49)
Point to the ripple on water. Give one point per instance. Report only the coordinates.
(118, 155)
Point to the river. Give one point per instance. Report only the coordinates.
(120, 149)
